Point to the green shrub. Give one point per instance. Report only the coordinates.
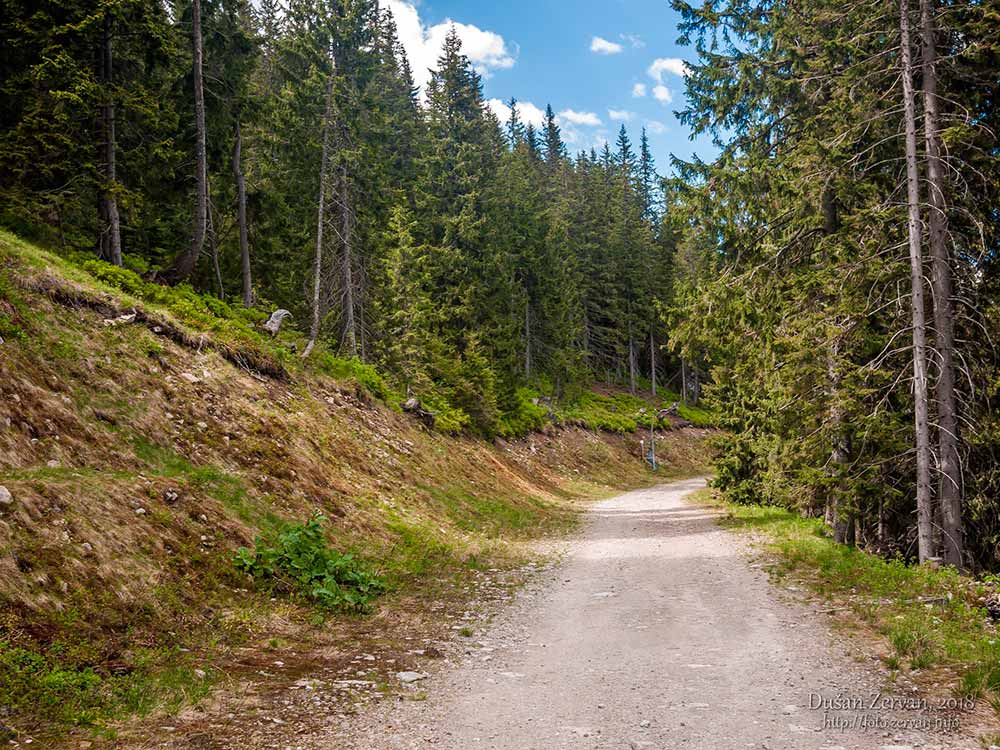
(521, 416)
(298, 560)
(354, 369)
(617, 413)
(122, 279)
(29, 680)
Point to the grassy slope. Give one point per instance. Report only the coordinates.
(928, 624)
(140, 457)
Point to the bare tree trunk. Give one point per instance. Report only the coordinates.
(527, 339)
(684, 381)
(925, 513)
(950, 488)
(652, 362)
(841, 520)
(185, 262)
(631, 360)
(320, 218)
(346, 219)
(111, 240)
(213, 244)
(241, 215)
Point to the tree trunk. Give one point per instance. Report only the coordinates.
(632, 363)
(925, 512)
(652, 362)
(241, 215)
(185, 262)
(346, 224)
(684, 381)
(950, 488)
(527, 339)
(320, 218)
(841, 519)
(213, 242)
(111, 237)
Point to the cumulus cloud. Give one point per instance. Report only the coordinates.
(487, 50)
(604, 47)
(528, 112)
(655, 127)
(639, 90)
(662, 94)
(620, 114)
(663, 65)
(580, 118)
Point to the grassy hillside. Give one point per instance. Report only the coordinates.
(149, 433)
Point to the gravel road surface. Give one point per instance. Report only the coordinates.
(655, 631)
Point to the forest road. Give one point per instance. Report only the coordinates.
(655, 631)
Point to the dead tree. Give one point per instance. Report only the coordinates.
(321, 213)
(925, 513)
(184, 264)
(111, 238)
(950, 486)
(241, 214)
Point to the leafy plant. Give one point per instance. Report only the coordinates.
(298, 560)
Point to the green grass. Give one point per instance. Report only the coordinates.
(55, 684)
(929, 617)
(623, 412)
(617, 413)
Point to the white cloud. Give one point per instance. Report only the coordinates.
(663, 65)
(655, 127)
(620, 114)
(662, 94)
(580, 118)
(634, 40)
(604, 47)
(486, 50)
(639, 90)
(527, 111)
(580, 140)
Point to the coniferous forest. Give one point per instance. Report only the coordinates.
(828, 285)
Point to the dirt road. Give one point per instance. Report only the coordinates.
(655, 632)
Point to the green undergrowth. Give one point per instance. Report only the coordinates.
(929, 617)
(624, 413)
(48, 683)
(298, 560)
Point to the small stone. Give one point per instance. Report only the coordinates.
(87, 548)
(5, 497)
(200, 674)
(140, 511)
(192, 379)
(52, 464)
(408, 677)
(170, 496)
(645, 724)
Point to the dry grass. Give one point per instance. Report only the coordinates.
(138, 464)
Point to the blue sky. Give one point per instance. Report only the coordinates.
(599, 63)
